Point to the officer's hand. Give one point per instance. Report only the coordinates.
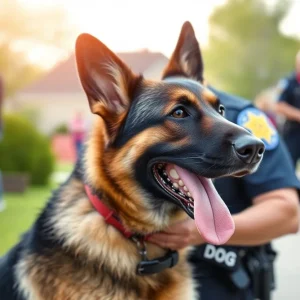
(178, 236)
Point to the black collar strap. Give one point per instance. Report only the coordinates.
(153, 266)
(157, 265)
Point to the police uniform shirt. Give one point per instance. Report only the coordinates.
(289, 92)
(275, 171)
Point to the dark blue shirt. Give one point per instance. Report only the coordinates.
(289, 92)
(276, 170)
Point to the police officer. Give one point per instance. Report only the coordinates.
(289, 106)
(264, 206)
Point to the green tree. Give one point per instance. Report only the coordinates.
(246, 51)
(22, 29)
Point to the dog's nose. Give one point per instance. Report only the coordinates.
(249, 149)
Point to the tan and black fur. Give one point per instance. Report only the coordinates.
(70, 253)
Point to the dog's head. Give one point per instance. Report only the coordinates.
(157, 143)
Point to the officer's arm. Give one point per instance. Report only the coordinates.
(288, 111)
(273, 214)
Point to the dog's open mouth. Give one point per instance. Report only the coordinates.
(199, 198)
(170, 181)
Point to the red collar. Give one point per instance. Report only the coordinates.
(109, 215)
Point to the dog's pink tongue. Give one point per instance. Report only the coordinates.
(212, 216)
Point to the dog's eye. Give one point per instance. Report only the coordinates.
(221, 110)
(179, 113)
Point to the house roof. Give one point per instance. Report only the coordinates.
(63, 77)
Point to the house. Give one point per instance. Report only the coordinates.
(57, 96)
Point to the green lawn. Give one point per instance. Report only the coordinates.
(20, 212)
(63, 167)
(22, 209)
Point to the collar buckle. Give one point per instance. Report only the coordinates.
(140, 244)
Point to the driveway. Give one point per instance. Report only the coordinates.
(288, 268)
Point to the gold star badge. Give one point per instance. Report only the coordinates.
(258, 124)
(259, 127)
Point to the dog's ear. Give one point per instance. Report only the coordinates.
(186, 59)
(106, 80)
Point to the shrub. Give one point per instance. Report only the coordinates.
(61, 129)
(44, 162)
(25, 150)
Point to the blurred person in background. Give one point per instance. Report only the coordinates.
(264, 205)
(78, 129)
(288, 105)
(265, 102)
(2, 203)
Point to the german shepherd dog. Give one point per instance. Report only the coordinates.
(148, 162)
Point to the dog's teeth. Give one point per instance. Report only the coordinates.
(181, 194)
(181, 182)
(168, 179)
(175, 185)
(189, 194)
(174, 174)
(164, 182)
(185, 188)
(173, 190)
(165, 173)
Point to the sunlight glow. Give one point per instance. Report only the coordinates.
(134, 24)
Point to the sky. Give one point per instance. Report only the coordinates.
(127, 25)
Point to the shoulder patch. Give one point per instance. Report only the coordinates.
(259, 125)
